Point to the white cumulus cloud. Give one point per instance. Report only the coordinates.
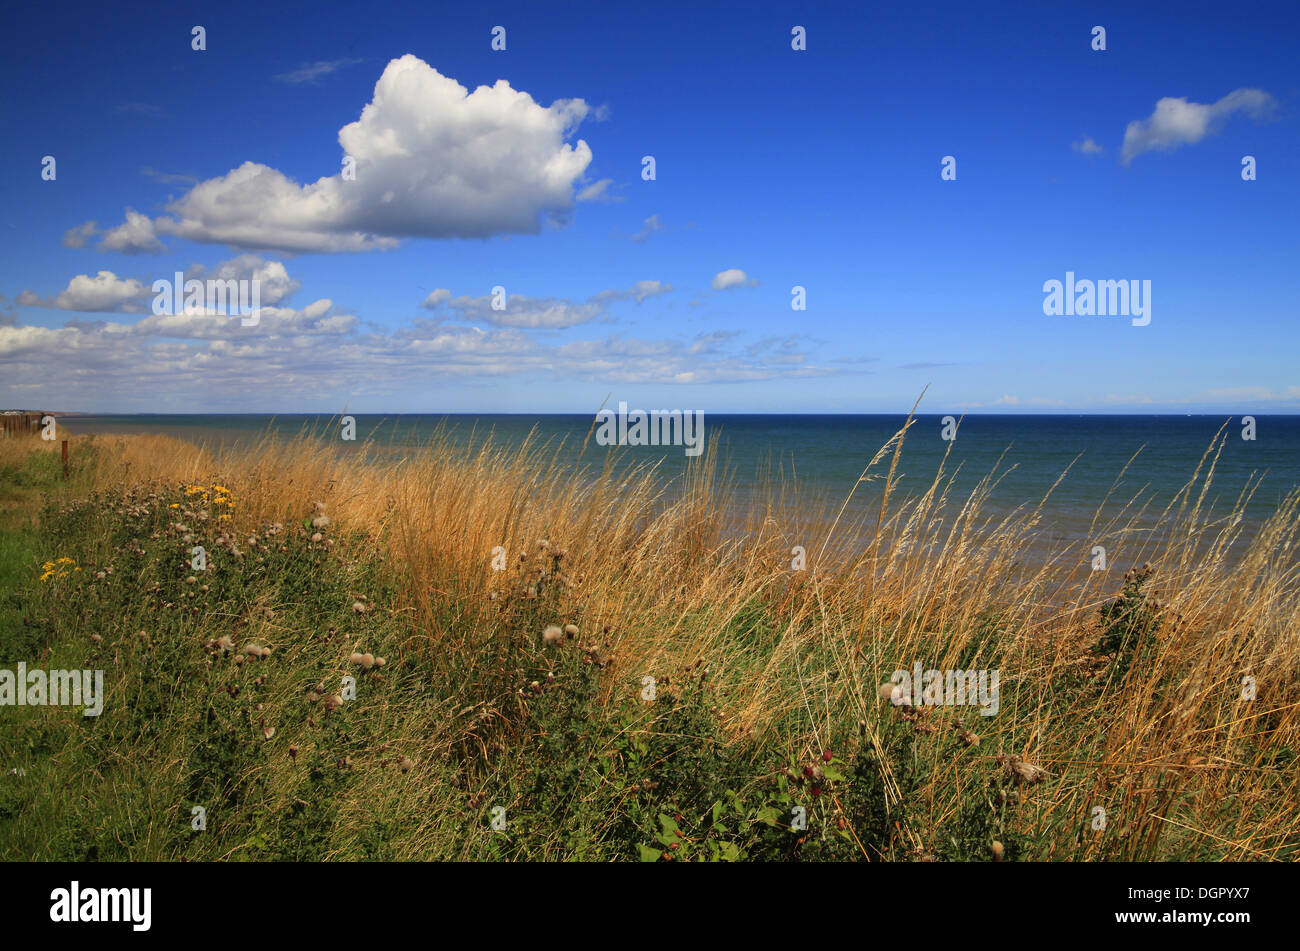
(1177, 122)
(103, 292)
(432, 160)
(133, 236)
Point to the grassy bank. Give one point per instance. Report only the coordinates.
(578, 664)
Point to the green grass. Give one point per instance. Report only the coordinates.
(566, 774)
(491, 745)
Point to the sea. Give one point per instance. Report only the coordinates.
(1111, 459)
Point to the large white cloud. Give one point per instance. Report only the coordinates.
(431, 158)
(1177, 122)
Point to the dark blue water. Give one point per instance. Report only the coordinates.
(825, 455)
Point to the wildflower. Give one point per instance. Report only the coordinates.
(359, 607)
(58, 568)
(969, 738)
(1021, 771)
(405, 763)
(322, 521)
(317, 536)
(379, 662)
(997, 851)
(268, 732)
(553, 634)
(571, 630)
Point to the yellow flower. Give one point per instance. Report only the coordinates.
(54, 569)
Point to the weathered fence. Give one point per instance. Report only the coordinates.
(20, 424)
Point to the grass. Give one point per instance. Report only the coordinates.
(713, 704)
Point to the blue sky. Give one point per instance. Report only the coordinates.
(818, 168)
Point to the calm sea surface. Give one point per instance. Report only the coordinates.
(826, 454)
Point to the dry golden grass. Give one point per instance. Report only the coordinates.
(1183, 764)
